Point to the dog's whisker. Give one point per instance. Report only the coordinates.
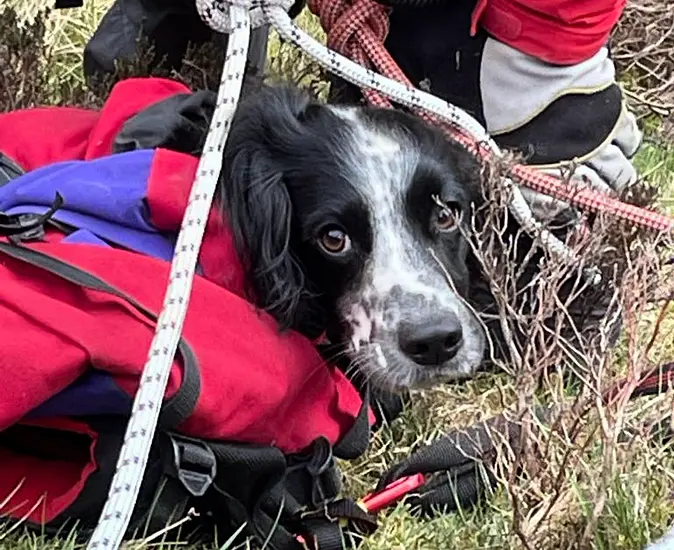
(478, 316)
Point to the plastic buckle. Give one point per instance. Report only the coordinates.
(195, 464)
(14, 227)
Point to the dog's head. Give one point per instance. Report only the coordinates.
(349, 220)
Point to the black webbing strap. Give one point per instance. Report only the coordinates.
(174, 410)
(356, 441)
(323, 535)
(325, 524)
(328, 527)
(249, 490)
(286, 499)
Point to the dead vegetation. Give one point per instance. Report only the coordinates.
(643, 47)
(559, 353)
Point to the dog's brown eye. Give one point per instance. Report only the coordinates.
(446, 219)
(335, 241)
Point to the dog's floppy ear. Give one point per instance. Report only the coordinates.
(265, 133)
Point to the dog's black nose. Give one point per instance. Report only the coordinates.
(431, 343)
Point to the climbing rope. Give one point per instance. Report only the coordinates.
(367, 25)
(125, 485)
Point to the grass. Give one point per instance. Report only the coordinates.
(639, 501)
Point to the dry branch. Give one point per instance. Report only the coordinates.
(556, 337)
(643, 48)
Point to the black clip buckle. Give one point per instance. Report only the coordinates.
(195, 464)
(28, 227)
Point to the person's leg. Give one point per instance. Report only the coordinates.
(169, 26)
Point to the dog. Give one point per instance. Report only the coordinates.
(350, 221)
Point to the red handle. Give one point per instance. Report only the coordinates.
(392, 493)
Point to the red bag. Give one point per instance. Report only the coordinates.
(252, 417)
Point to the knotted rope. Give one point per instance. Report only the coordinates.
(358, 30)
(361, 37)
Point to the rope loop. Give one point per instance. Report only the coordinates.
(345, 24)
(357, 29)
(216, 13)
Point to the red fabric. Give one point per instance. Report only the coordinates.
(168, 191)
(562, 32)
(257, 385)
(45, 135)
(29, 486)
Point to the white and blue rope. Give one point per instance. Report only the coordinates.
(135, 450)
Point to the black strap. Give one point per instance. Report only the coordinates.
(17, 224)
(356, 441)
(324, 528)
(276, 497)
(66, 4)
(249, 489)
(174, 410)
(359, 520)
(9, 169)
(324, 535)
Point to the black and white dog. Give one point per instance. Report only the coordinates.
(347, 220)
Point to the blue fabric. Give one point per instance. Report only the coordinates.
(94, 393)
(106, 200)
(105, 196)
